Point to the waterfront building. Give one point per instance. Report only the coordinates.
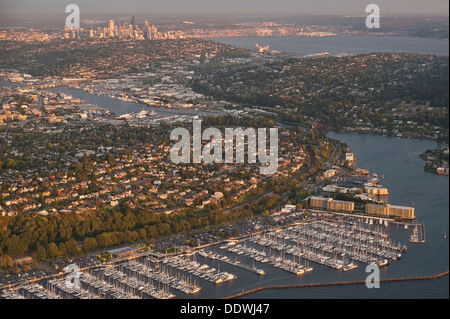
(401, 211)
(340, 205)
(390, 210)
(318, 202)
(377, 193)
(349, 157)
(374, 209)
(331, 204)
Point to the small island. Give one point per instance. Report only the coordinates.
(436, 160)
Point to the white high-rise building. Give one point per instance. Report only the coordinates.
(111, 28)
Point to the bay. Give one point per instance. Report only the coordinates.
(342, 44)
(399, 167)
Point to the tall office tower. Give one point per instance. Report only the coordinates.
(147, 31)
(130, 31)
(111, 28)
(132, 20)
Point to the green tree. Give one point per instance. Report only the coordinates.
(52, 250)
(72, 247)
(89, 244)
(40, 253)
(6, 262)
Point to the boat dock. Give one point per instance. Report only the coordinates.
(276, 261)
(337, 245)
(418, 235)
(199, 270)
(225, 259)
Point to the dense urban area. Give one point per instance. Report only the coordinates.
(78, 180)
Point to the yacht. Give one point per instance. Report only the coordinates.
(383, 263)
(350, 266)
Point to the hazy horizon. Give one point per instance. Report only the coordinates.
(246, 7)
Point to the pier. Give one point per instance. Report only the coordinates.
(418, 235)
(324, 284)
(230, 262)
(199, 270)
(276, 261)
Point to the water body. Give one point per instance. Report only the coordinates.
(116, 106)
(342, 43)
(426, 289)
(8, 84)
(397, 159)
(120, 107)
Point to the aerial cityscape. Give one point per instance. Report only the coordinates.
(191, 153)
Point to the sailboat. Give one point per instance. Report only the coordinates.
(445, 233)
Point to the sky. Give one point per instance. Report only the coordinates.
(291, 7)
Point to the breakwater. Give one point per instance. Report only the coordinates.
(324, 284)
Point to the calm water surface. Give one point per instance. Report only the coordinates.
(342, 43)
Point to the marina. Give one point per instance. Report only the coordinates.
(162, 276)
(276, 261)
(236, 263)
(338, 244)
(202, 271)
